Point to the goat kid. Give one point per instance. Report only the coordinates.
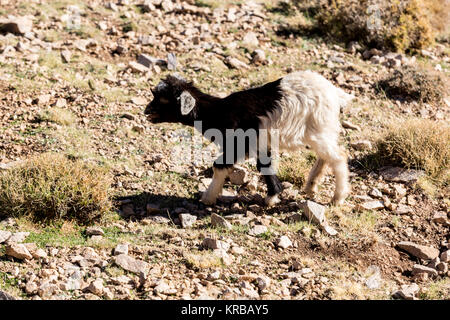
(302, 107)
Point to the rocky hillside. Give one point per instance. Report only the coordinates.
(123, 220)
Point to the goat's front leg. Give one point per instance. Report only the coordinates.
(274, 186)
(221, 172)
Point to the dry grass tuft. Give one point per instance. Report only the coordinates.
(295, 168)
(58, 115)
(49, 186)
(417, 144)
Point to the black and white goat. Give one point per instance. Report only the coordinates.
(302, 107)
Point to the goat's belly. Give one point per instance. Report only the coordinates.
(284, 135)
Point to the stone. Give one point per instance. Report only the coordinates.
(19, 25)
(250, 39)
(164, 288)
(94, 231)
(400, 191)
(417, 268)
(403, 209)
(66, 56)
(39, 254)
(137, 67)
(313, 211)
(43, 99)
(445, 256)
(361, 145)
(214, 244)
(187, 220)
(407, 292)
(18, 251)
(171, 62)
(4, 236)
(262, 282)
(140, 101)
(17, 237)
(442, 267)
(419, 251)
(131, 264)
(150, 61)
(96, 287)
(6, 296)
(121, 248)
(257, 230)
(284, 242)
(439, 217)
(348, 125)
(235, 63)
(237, 176)
(374, 192)
(396, 174)
(370, 205)
(219, 221)
(259, 56)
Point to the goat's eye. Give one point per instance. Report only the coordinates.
(163, 100)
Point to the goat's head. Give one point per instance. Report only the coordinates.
(172, 101)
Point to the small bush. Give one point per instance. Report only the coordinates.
(417, 84)
(58, 115)
(50, 186)
(417, 144)
(295, 168)
(399, 25)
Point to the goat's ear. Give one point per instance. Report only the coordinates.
(187, 102)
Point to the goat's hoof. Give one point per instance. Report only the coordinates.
(272, 200)
(209, 201)
(337, 201)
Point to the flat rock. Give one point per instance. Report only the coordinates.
(95, 231)
(121, 248)
(187, 220)
(131, 264)
(257, 230)
(235, 63)
(396, 174)
(6, 296)
(215, 244)
(313, 211)
(17, 237)
(419, 251)
(19, 25)
(407, 292)
(417, 268)
(284, 242)
(219, 221)
(4, 236)
(18, 251)
(370, 205)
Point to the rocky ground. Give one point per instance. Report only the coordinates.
(89, 66)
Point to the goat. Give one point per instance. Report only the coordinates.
(303, 107)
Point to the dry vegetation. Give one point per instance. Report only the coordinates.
(49, 187)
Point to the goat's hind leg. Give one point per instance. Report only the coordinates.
(315, 176)
(336, 158)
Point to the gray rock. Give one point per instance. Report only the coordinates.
(396, 174)
(94, 231)
(121, 249)
(19, 25)
(417, 268)
(187, 220)
(130, 264)
(18, 251)
(66, 56)
(6, 296)
(313, 211)
(17, 237)
(149, 61)
(407, 292)
(214, 244)
(445, 256)
(257, 230)
(284, 242)
(250, 39)
(4, 236)
(439, 217)
(259, 56)
(171, 62)
(96, 287)
(235, 63)
(218, 221)
(419, 251)
(370, 205)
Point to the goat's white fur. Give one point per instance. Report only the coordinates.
(308, 114)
